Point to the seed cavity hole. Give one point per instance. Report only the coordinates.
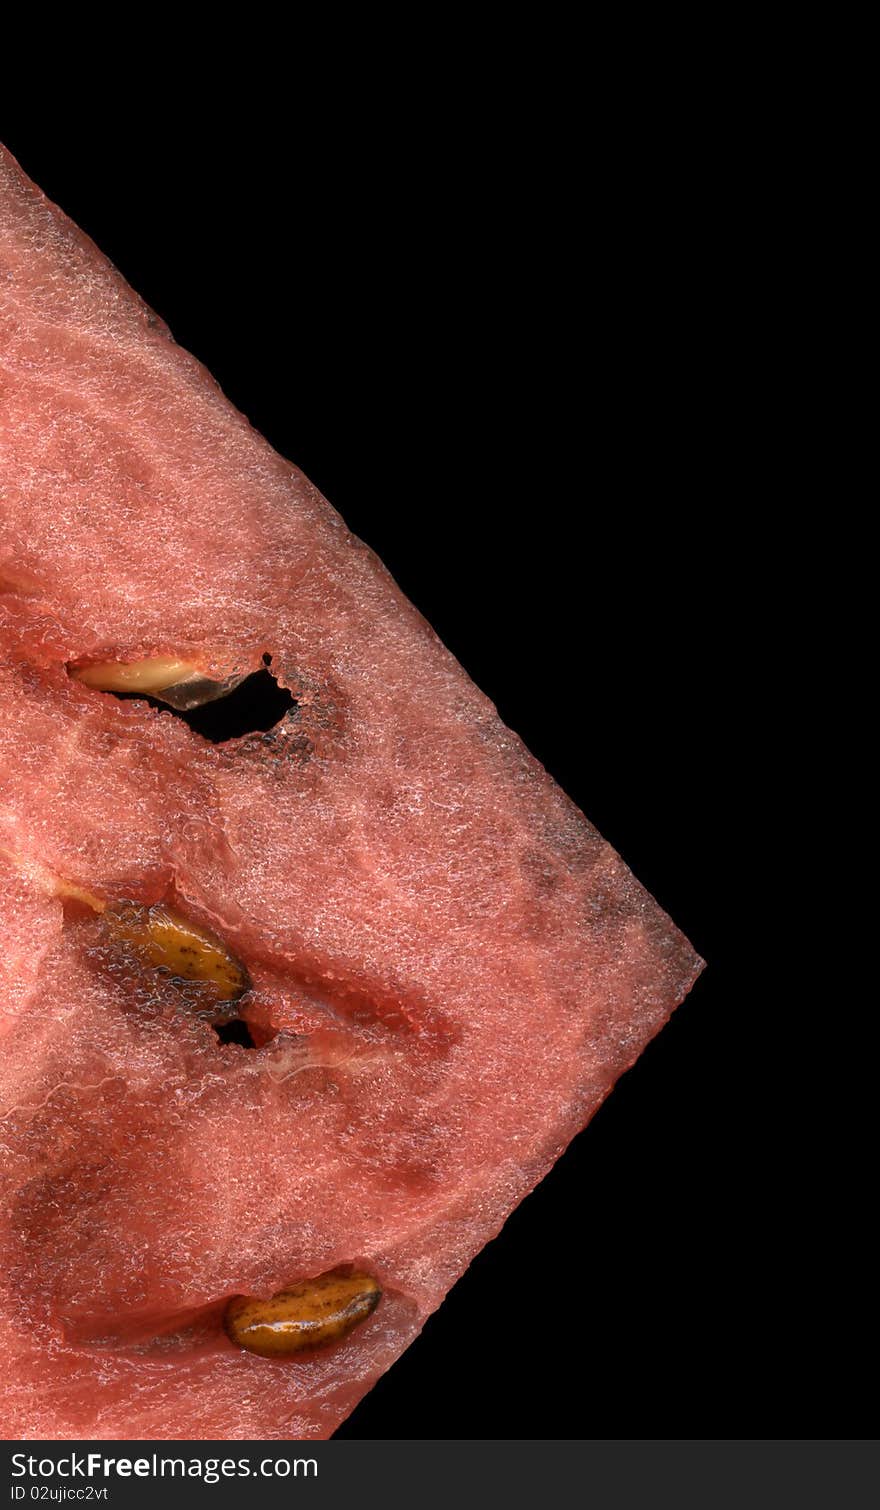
(256, 705)
(235, 1030)
(216, 711)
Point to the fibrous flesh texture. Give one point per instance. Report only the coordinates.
(448, 967)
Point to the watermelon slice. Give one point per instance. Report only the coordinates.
(291, 1021)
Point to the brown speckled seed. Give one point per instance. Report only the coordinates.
(160, 938)
(309, 1314)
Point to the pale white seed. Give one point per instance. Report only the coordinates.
(147, 676)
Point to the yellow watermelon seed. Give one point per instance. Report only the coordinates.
(160, 938)
(308, 1315)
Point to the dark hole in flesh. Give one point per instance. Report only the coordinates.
(235, 1030)
(254, 706)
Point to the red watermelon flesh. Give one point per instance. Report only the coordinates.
(449, 967)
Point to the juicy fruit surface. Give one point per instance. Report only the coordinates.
(447, 966)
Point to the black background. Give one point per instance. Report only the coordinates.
(528, 419)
